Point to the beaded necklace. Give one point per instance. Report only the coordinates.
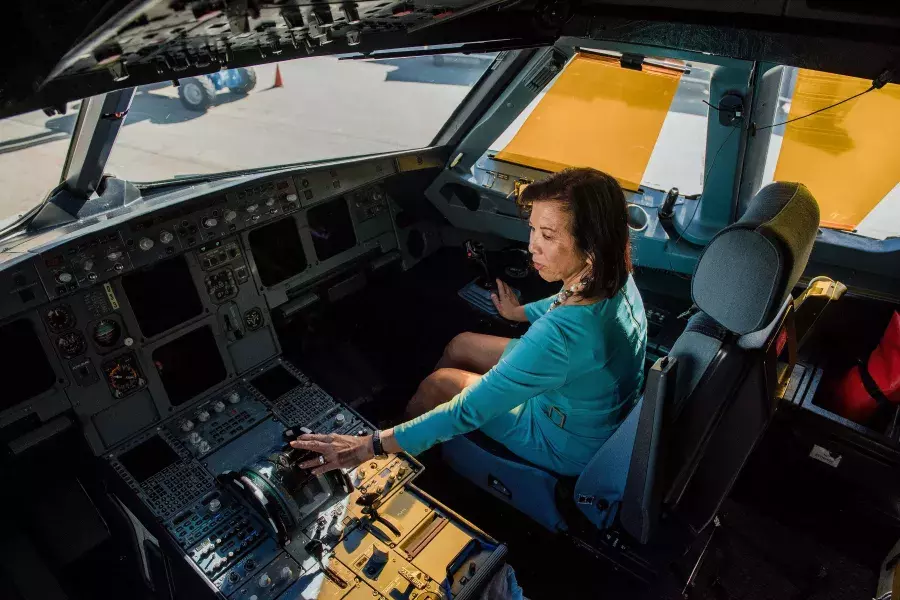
(566, 293)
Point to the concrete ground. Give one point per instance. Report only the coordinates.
(327, 108)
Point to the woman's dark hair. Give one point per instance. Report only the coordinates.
(599, 217)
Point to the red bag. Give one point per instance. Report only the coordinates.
(858, 393)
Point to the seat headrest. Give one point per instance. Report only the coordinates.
(748, 269)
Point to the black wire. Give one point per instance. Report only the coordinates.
(716, 108)
(815, 112)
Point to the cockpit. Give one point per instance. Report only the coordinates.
(236, 236)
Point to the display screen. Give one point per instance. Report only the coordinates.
(331, 228)
(275, 382)
(163, 296)
(148, 458)
(189, 365)
(24, 369)
(277, 251)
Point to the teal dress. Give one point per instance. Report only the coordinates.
(558, 392)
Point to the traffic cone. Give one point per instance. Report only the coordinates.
(278, 82)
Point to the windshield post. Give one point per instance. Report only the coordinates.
(102, 117)
(98, 124)
(723, 159)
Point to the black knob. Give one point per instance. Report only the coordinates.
(668, 205)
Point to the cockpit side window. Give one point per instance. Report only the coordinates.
(33, 149)
(847, 155)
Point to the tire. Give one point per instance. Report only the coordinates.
(246, 81)
(196, 93)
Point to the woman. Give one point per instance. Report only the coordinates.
(555, 395)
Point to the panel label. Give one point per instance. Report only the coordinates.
(111, 296)
(826, 456)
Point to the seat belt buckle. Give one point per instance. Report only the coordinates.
(557, 415)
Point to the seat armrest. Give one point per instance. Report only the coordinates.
(642, 497)
(598, 490)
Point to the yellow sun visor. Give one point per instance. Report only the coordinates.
(847, 155)
(599, 115)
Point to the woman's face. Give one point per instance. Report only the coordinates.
(552, 245)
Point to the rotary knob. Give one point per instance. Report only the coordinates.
(187, 425)
(340, 418)
(64, 277)
(252, 208)
(195, 438)
(114, 256)
(145, 244)
(203, 447)
(203, 416)
(286, 574)
(88, 265)
(264, 580)
(234, 398)
(291, 198)
(210, 222)
(218, 406)
(165, 237)
(270, 202)
(230, 215)
(214, 506)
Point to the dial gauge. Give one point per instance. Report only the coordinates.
(107, 332)
(123, 375)
(60, 317)
(71, 344)
(253, 319)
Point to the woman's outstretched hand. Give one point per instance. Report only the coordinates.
(335, 451)
(507, 304)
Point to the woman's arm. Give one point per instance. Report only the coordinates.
(539, 362)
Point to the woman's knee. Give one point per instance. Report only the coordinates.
(439, 387)
(459, 349)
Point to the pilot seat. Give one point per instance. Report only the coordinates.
(704, 406)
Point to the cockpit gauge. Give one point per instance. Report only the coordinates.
(107, 332)
(71, 344)
(123, 375)
(60, 317)
(253, 319)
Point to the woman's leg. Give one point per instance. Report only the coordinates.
(473, 352)
(437, 388)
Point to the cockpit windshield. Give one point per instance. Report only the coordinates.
(648, 127)
(295, 111)
(33, 149)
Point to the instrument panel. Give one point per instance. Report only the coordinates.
(364, 533)
(147, 314)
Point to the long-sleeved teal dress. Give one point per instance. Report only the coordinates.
(558, 392)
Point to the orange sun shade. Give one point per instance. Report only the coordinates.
(847, 155)
(599, 115)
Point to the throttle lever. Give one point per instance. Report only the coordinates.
(475, 252)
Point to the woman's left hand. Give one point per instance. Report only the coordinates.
(338, 451)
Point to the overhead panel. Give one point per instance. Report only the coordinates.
(597, 114)
(847, 155)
